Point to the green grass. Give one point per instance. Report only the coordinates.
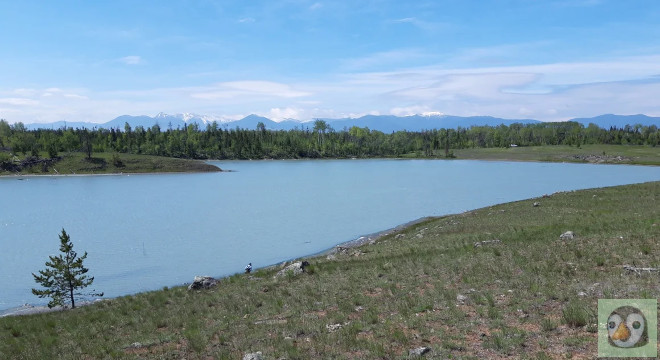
(530, 296)
(610, 154)
(114, 163)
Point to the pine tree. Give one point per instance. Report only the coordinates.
(64, 275)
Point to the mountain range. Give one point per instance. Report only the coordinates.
(384, 123)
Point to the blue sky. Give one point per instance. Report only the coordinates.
(546, 60)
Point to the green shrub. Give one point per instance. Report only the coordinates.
(576, 314)
(116, 160)
(548, 325)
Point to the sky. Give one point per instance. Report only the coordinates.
(548, 60)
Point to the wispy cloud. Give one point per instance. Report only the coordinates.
(405, 20)
(18, 101)
(131, 60)
(555, 91)
(316, 6)
(25, 92)
(382, 59)
(578, 3)
(76, 96)
(425, 25)
(235, 89)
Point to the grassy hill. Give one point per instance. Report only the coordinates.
(527, 295)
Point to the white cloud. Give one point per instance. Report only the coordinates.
(279, 114)
(414, 110)
(76, 96)
(25, 92)
(578, 3)
(478, 86)
(246, 20)
(556, 91)
(241, 89)
(131, 60)
(316, 6)
(385, 58)
(18, 101)
(424, 25)
(405, 20)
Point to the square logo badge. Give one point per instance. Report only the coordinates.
(628, 328)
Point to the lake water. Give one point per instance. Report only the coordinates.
(143, 232)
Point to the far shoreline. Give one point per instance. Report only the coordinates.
(110, 174)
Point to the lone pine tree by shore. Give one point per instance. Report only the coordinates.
(64, 275)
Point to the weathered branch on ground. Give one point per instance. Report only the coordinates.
(640, 270)
(486, 242)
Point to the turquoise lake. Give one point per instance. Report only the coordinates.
(144, 232)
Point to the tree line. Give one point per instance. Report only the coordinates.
(319, 141)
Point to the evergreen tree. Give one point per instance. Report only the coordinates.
(64, 275)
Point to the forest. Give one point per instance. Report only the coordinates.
(317, 141)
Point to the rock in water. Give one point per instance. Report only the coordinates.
(202, 282)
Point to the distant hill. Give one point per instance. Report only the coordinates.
(390, 123)
(59, 125)
(144, 121)
(384, 123)
(619, 121)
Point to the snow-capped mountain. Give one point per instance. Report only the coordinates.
(384, 123)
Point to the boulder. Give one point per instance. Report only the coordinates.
(296, 268)
(254, 356)
(569, 235)
(202, 282)
(333, 327)
(420, 351)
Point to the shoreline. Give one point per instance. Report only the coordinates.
(555, 161)
(369, 239)
(19, 176)
(29, 309)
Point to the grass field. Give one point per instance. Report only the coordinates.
(607, 154)
(112, 163)
(530, 295)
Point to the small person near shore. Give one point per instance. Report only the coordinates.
(248, 268)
